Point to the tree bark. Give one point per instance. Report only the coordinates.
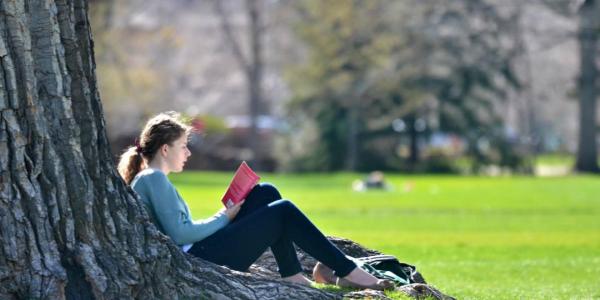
(589, 31)
(69, 226)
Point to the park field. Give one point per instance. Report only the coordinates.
(471, 237)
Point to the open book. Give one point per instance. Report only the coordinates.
(242, 183)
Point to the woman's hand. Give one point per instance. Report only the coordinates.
(234, 210)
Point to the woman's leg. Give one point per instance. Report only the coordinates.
(302, 232)
(240, 243)
(261, 195)
(285, 254)
(280, 224)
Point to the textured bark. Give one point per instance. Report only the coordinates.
(69, 227)
(589, 32)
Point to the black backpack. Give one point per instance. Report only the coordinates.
(388, 267)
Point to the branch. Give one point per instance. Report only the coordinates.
(228, 32)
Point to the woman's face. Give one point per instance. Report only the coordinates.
(177, 154)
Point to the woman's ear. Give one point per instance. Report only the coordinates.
(163, 150)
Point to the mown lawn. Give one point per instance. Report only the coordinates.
(471, 237)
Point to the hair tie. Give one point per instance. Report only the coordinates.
(138, 148)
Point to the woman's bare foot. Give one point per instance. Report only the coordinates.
(299, 279)
(323, 274)
(359, 278)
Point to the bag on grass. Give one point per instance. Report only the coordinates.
(387, 267)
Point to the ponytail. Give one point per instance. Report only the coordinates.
(130, 164)
(162, 129)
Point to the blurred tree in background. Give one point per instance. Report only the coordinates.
(588, 80)
(588, 85)
(443, 66)
(252, 66)
(333, 87)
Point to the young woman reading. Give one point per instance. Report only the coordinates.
(234, 237)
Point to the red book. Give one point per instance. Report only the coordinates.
(242, 183)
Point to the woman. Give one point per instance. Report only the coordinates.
(233, 237)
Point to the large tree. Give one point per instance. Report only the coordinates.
(70, 228)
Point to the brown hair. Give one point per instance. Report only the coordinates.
(164, 128)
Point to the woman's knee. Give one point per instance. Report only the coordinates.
(284, 205)
(269, 190)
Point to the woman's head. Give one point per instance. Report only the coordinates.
(164, 138)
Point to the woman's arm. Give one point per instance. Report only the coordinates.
(232, 211)
(173, 214)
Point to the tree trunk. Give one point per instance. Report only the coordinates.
(413, 134)
(254, 74)
(589, 30)
(352, 135)
(69, 226)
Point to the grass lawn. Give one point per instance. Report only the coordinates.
(471, 237)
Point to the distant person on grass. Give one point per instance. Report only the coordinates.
(233, 237)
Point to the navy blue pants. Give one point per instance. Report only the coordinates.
(267, 221)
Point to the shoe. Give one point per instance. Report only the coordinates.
(380, 285)
(323, 274)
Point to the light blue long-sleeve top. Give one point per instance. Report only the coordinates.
(170, 212)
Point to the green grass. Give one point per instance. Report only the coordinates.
(471, 237)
